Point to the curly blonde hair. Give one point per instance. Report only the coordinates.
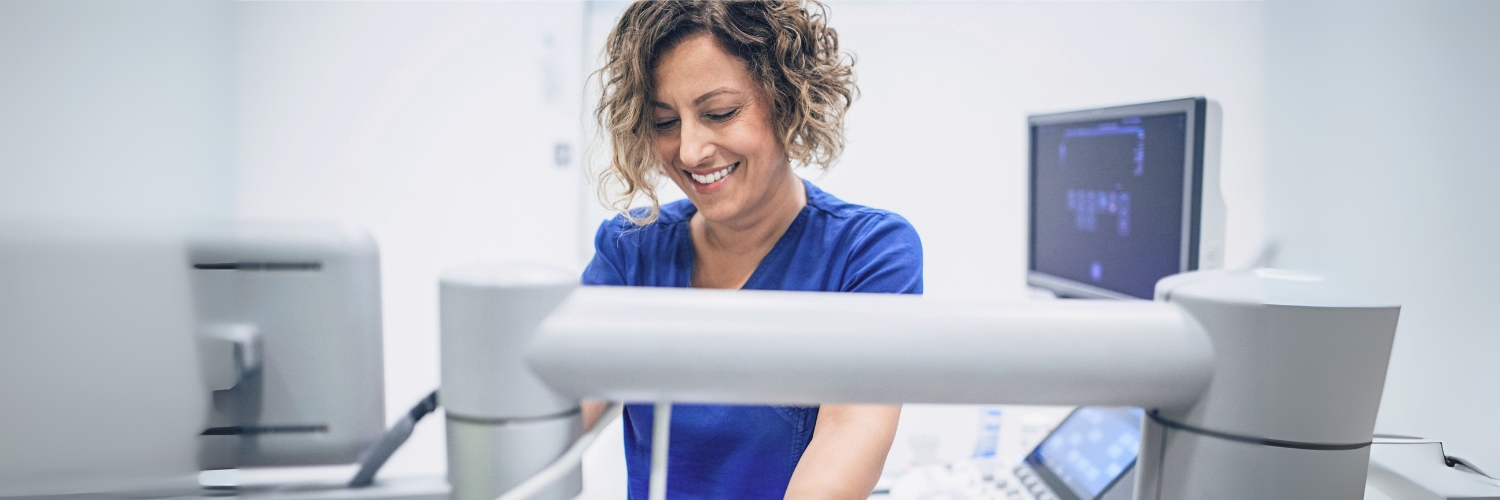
(785, 44)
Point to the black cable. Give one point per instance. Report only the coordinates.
(391, 441)
(250, 430)
(1278, 443)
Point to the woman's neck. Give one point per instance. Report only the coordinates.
(755, 233)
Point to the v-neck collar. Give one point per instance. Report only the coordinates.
(687, 255)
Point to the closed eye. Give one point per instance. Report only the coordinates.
(666, 124)
(719, 117)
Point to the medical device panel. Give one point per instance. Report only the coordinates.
(1087, 453)
(1122, 197)
(290, 323)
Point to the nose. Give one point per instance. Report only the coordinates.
(697, 144)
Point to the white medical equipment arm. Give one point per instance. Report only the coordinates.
(675, 344)
(1261, 384)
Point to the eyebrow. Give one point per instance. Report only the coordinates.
(712, 93)
(706, 96)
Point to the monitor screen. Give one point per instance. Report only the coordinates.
(1110, 193)
(1088, 451)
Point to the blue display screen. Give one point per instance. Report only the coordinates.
(1107, 201)
(1090, 450)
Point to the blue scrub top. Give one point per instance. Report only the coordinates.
(739, 451)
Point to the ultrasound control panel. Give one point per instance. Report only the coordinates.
(1089, 456)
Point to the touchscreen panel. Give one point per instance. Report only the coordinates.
(1089, 451)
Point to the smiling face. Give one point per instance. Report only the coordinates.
(714, 133)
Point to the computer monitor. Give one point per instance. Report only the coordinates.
(1122, 197)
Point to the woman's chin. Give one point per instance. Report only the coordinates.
(715, 209)
(714, 199)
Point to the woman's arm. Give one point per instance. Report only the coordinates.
(847, 452)
(592, 409)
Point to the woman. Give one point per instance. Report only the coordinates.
(723, 98)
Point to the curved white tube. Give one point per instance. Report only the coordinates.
(744, 346)
(565, 463)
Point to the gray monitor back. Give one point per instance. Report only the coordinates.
(290, 319)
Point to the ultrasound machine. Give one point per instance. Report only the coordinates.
(1120, 198)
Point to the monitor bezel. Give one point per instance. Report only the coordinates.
(1192, 202)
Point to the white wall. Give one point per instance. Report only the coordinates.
(1383, 174)
(116, 109)
(434, 125)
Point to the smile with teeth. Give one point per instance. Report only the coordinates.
(713, 177)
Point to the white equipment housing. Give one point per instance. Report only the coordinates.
(290, 333)
(136, 356)
(1261, 384)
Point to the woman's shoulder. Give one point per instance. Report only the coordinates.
(879, 250)
(623, 234)
(626, 253)
(856, 218)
